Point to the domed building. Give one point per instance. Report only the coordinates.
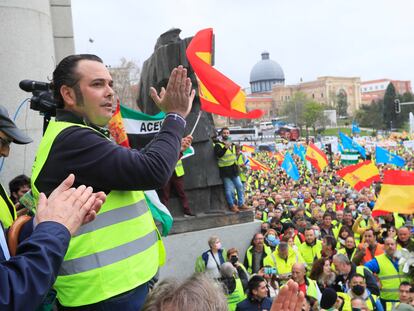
(265, 74)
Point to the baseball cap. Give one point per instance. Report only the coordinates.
(10, 129)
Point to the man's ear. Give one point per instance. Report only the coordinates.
(68, 95)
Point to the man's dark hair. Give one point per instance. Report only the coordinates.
(327, 214)
(358, 275)
(17, 182)
(331, 241)
(254, 283)
(224, 128)
(65, 74)
(405, 283)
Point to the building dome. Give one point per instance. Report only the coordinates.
(265, 74)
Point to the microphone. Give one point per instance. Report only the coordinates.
(31, 85)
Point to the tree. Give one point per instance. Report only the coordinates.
(341, 103)
(293, 109)
(388, 110)
(313, 116)
(371, 115)
(126, 77)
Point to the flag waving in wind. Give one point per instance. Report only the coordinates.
(218, 94)
(316, 157)
(360, 175)
(397, 193)
(349, 143)
(384, 156)
(290, 167)
(257, 166)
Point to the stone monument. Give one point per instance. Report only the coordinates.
(203, 184)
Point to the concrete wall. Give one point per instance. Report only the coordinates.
(26, 52)
(61, 14)
(183, 249)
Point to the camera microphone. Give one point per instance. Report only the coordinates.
(31, 85)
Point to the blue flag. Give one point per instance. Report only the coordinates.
(384, 156)
(355, 128)
(350, 144)
(290, 167)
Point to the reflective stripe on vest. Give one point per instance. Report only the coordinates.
(229, 157)
(179, 169)
(5, 204)
(117, 252)
(389, 277)
(236, 296)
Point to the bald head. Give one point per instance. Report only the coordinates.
(298, 273)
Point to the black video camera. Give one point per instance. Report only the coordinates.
(42, 99)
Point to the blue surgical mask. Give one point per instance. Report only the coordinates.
(317, 233)
(272, 240)
(318, 201)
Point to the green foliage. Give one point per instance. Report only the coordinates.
(313, 115)
(294, 108)
(370, 115)
(341, 104)
(389, 115)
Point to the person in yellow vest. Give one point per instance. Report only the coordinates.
(177, 182)
(225, 152)
(256, 253)
(283, 259)
(310, 249)
(404, 239)
(111, 261)
(233, 286)
(387, 269)
(307, 286)
(242, 163)
(9, 133)
(358, 289)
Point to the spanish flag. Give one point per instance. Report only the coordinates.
(397, 193)
(248, 149)
(218, 94)
(360, 175)
(279, 158)
(257, 166)
(116, 127)
(316, 157)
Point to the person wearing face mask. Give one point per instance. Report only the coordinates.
(310, 249)
(345, 270)
(233, 258)
(271, 239)
(358, 289)
(211, 260)
(264, 227)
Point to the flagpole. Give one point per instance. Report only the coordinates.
(196, 122)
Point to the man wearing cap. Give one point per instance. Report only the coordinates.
(8, 133)
(27, 275)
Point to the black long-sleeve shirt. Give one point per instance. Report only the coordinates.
(106, 166)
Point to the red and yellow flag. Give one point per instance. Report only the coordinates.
(316, 157)
(218, 94)
(279, 158)
(397, 193)
(360, 175)
(248, 149)
(257, 166)
(117, 129)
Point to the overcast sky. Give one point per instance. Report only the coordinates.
(372, 39)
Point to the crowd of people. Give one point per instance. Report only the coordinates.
(319, 232)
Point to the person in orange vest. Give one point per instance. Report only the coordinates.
(368, 249)
(177, 181)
